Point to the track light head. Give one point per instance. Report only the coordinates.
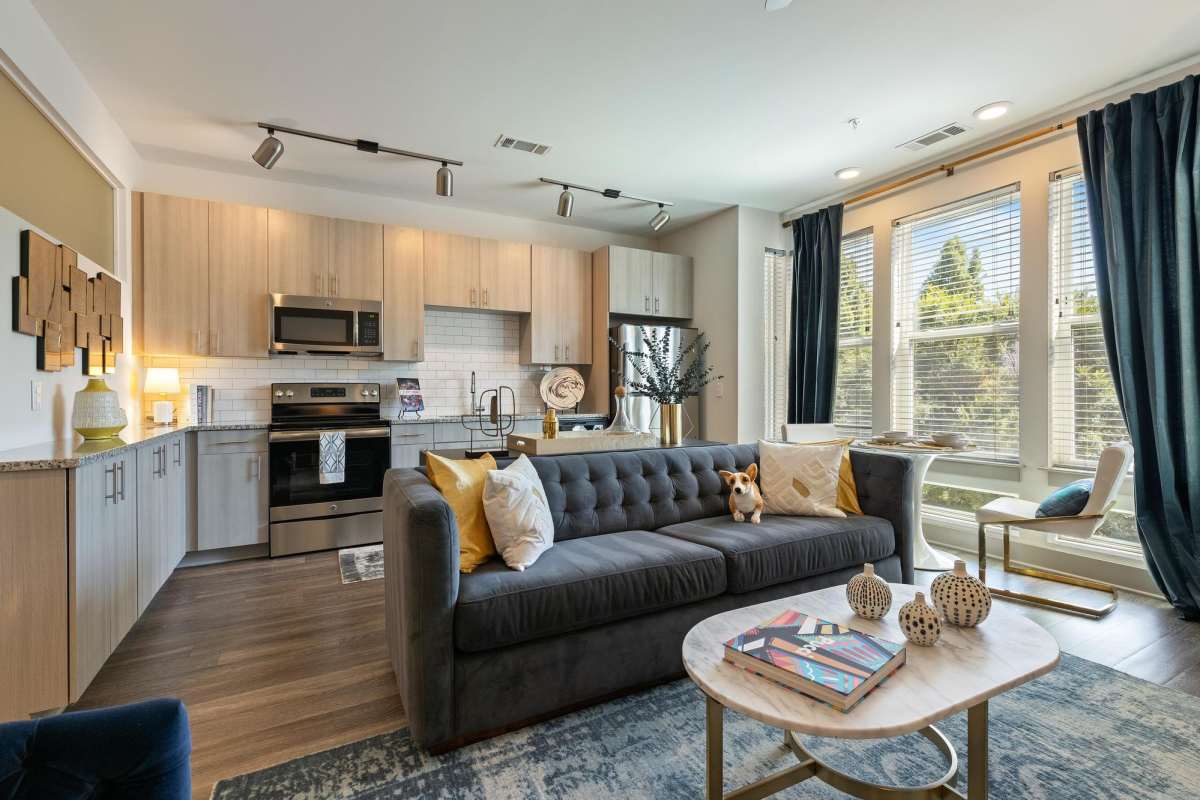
(566, 203)
(445, 181)
(660, 219)
(269, 151)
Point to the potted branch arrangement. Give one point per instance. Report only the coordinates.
(668, 380)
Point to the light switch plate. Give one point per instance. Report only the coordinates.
(35, 395)
(720, 390)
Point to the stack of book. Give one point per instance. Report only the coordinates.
(824, 660)
(201, 403)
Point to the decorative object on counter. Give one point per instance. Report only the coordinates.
(162, 381)
(562, 388)
(97, 413)
(868, 594)
(550, 424)
(408, 390)
(920, 621)
(667, 380)
(567, 442)
(54, 300)
(621, 423)
(201, 402)
(498, 422)
(961, 599)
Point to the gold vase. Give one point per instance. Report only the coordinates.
(670, 423)
(550, 424)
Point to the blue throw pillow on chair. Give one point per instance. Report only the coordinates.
(1067, 501)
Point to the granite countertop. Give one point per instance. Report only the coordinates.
(76, 451)
(411, 420)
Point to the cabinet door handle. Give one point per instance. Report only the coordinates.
(485, 298)
(567, 352)
(472, 300)
(406, 435)
(333, 284)
(556, 352)
(111, 470)
(121, 467)
(416, 347)
(157, 462)
(646, 303)
(316, 284)
(656, 306)
(163, 456)
(256, 467)
(216, 343)
(178, 453)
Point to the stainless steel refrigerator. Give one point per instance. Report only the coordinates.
(642, 410)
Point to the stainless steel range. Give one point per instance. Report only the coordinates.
(306, 514)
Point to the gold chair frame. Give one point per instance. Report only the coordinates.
(1092, 612)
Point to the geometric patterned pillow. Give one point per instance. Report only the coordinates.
(800, 479)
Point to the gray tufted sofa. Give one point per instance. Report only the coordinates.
(644, 549)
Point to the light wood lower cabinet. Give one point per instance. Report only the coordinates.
(102, 502)
(34, 668)
(559, 328)
(231, 487)
(403, 294)
(162, 514)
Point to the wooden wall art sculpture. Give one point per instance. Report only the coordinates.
(55, 300)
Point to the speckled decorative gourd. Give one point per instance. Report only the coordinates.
(920, 621)
(961, 599)
(868, 594)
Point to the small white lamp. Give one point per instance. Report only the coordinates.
(162, 381)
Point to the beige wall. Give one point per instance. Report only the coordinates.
(45, 180)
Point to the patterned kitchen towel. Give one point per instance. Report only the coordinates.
(333, 457)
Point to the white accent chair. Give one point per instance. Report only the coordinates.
(1111, 470)
(811, 432)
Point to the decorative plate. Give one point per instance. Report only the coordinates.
(562, 388)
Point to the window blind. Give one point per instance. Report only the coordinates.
(852, 394)
(957, 275)
(1084, 412)
(777, 292)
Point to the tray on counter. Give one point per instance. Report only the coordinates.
(536, 444)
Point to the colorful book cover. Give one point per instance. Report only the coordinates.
(830, 655)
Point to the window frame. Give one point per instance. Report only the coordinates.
(777, 278)
(858, 342)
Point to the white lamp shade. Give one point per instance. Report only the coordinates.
(162, 380)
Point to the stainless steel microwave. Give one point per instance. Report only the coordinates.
(329, 325)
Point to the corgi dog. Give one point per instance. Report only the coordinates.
(744, 496)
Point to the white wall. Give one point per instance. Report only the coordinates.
(757, 230)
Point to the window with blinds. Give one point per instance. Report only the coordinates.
(1084, 412)
(852, 394)
(777, 292)
(957, 272)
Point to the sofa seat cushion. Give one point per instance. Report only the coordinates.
(580, 583)
(784, 549)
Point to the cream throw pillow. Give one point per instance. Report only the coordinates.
(800, 479)
(518, 513)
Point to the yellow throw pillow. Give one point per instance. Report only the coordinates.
(847, 491)
(461, 483)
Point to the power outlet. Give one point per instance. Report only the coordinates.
(719, 390)
(35, 394)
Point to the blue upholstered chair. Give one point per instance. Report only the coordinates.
(140, 751)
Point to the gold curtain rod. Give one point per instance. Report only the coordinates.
(950, 166)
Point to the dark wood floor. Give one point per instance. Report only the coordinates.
(277, 659)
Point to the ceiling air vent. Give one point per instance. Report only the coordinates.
(513, 143)
(933, 137)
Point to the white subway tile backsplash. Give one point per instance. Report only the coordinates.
(455, 344)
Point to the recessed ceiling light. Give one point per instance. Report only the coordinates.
(848, 173)
(993, 110)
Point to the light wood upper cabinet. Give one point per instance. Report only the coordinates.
(356, 260)
(451, 270)
(672, 286)
(298, 253)
(631, 280)
(403, 294)
(237, 278)
(558, 329)
(174, 275)
(504, 275)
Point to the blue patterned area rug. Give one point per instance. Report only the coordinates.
(1083, 732)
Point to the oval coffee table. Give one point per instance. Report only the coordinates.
(962, 671)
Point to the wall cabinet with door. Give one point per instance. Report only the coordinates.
(558, 329)
(323, 257)
(403, 294)
(231, 486)
(649, 284)
(465, 272)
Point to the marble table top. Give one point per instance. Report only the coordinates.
(964, 668)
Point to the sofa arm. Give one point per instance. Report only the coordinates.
(420, 550)
(885, 489)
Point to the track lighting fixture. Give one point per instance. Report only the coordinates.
(566, 200)
(659, 219)
(271, 149)
(566, 203)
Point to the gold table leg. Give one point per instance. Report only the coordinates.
(977, 751)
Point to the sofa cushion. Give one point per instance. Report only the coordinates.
(788, 548)
(580, 583)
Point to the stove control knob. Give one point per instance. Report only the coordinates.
(333, 507)
(290, 393)
(374, 393)
(366, 393)
(279, 392)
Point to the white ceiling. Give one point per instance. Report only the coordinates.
(705, 102)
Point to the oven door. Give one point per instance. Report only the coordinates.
(319, 325)
(296, 489)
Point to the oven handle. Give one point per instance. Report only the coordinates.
(312, 436)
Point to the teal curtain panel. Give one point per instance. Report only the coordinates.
(812, 370)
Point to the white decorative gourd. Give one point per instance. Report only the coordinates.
(920, 621)
(961, 599)
(868, 594)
